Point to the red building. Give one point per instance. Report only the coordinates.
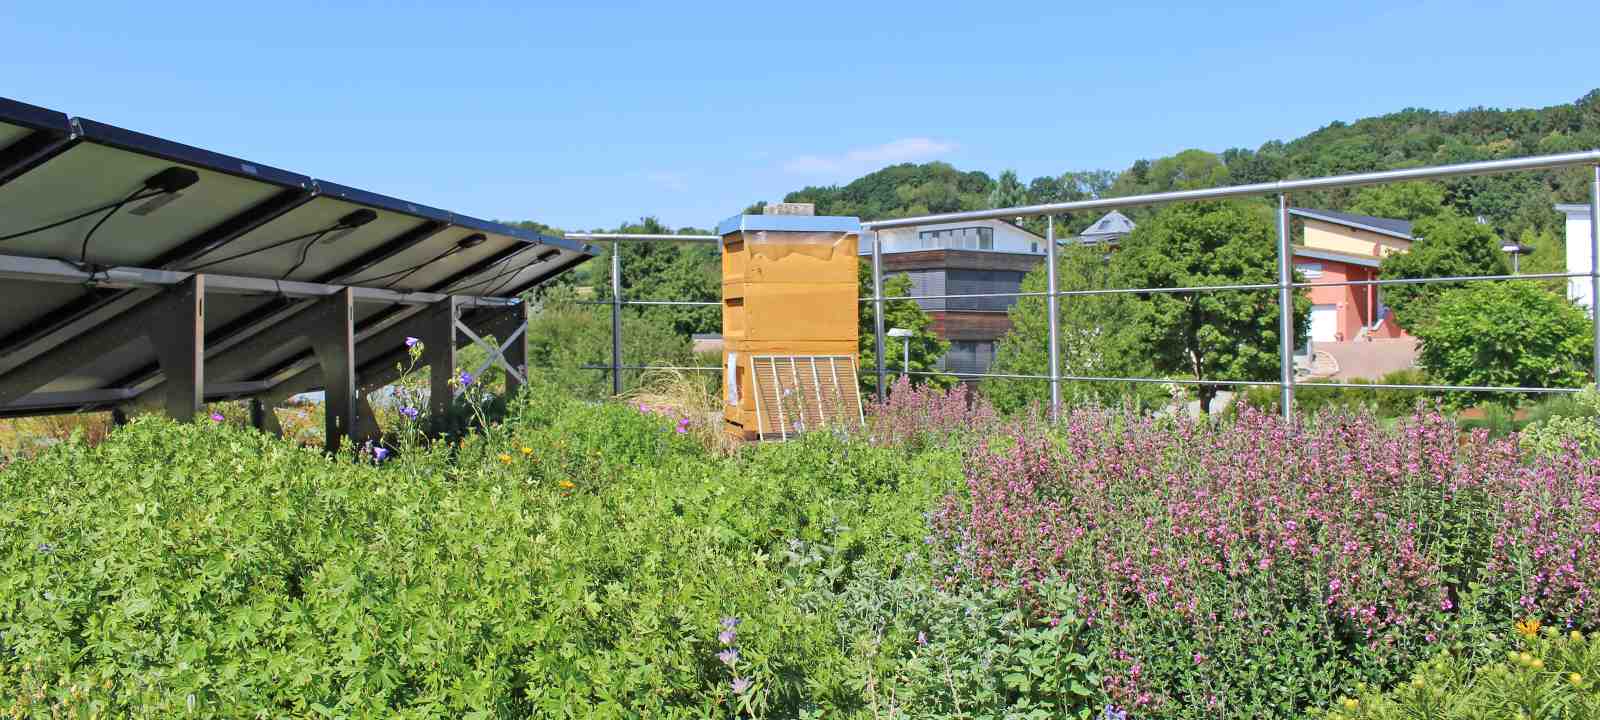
(1340, 247)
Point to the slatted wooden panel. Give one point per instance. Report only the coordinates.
(795, 393)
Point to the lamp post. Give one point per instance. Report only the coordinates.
(905, 340)
(1516, 250)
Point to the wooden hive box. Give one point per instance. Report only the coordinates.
(790, 307)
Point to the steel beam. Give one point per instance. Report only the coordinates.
(179, 340)
(1285, 311)
(332, 335)
(439, 352)
(110, 333)
(30, 152)
(407, 240)
(517, 354)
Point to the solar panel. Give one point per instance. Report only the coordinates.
(94, 201)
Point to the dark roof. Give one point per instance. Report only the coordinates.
(1386, 226)
(1320, 254)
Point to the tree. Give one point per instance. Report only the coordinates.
(666, 271)
(926, 347)
(1405, 201)
(1446, 245)
(1231, 334)
(1188, 170)
(1093, 338)
(1008, 192)
(1507, 334)
(564, 336)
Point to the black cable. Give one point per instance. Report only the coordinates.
(512, 272)
(305, 252)
(83, 253)
(79, 216)
(264, 248)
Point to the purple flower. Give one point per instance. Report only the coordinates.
(409, 412)
(466, 379)
(1112, 713)
(216, 417)
(380, 453)
(729, 623)
(922, 638)
(728, 657)
(682, 429)
(727, 637)
(742, 684)
(411, 341)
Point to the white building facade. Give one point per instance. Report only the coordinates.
(1579, 257)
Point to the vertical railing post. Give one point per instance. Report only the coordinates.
(1594, 265)
(616, 317)
(1055, 321)
(877, 312)
(1285, 312)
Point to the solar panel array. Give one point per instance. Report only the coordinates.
(95, 219)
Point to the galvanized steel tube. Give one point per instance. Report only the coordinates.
(1285, 311)
(616, 317)
(877, 312)
(1051, 302)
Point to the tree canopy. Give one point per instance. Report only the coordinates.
(1445, 245)
(926, 347)
(1226, 335)
(1507, 334)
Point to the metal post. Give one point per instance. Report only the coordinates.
(616, 317)
(877, 312)
(1285, 311)
(905, 358)
(1594, 266)
(1055, 321)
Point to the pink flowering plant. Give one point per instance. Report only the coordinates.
(1247, 569)
(924, 416)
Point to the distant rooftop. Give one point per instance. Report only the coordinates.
(1110, 228)
(1383, 226)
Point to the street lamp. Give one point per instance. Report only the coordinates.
(1516, 250)
(905, 339)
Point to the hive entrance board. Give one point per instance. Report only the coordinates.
(795, 393)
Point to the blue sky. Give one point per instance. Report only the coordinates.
(585, 115)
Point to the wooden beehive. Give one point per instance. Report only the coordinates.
(789, 323)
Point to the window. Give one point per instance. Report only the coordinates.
(1312, 271)
(967, 356)
(969, 238)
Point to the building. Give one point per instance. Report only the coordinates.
(1107, 231)
(983, 256)
(1343, 247)
(1579, 259)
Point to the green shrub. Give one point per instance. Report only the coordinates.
(1314, 396)
(1544, 675)
(574, 561)
(1566, 419)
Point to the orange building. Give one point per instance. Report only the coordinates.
(1340, 247)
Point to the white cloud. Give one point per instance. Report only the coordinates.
(867, 159)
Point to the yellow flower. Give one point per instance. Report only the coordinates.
(1528, 628)
(505, 458)
(1351, 703)
(1576, 636)
(527, 450)
(1525, 658)
(1537, 664)
(567, 485)
(1575, 679)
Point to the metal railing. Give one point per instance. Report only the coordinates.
(1285, 285)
